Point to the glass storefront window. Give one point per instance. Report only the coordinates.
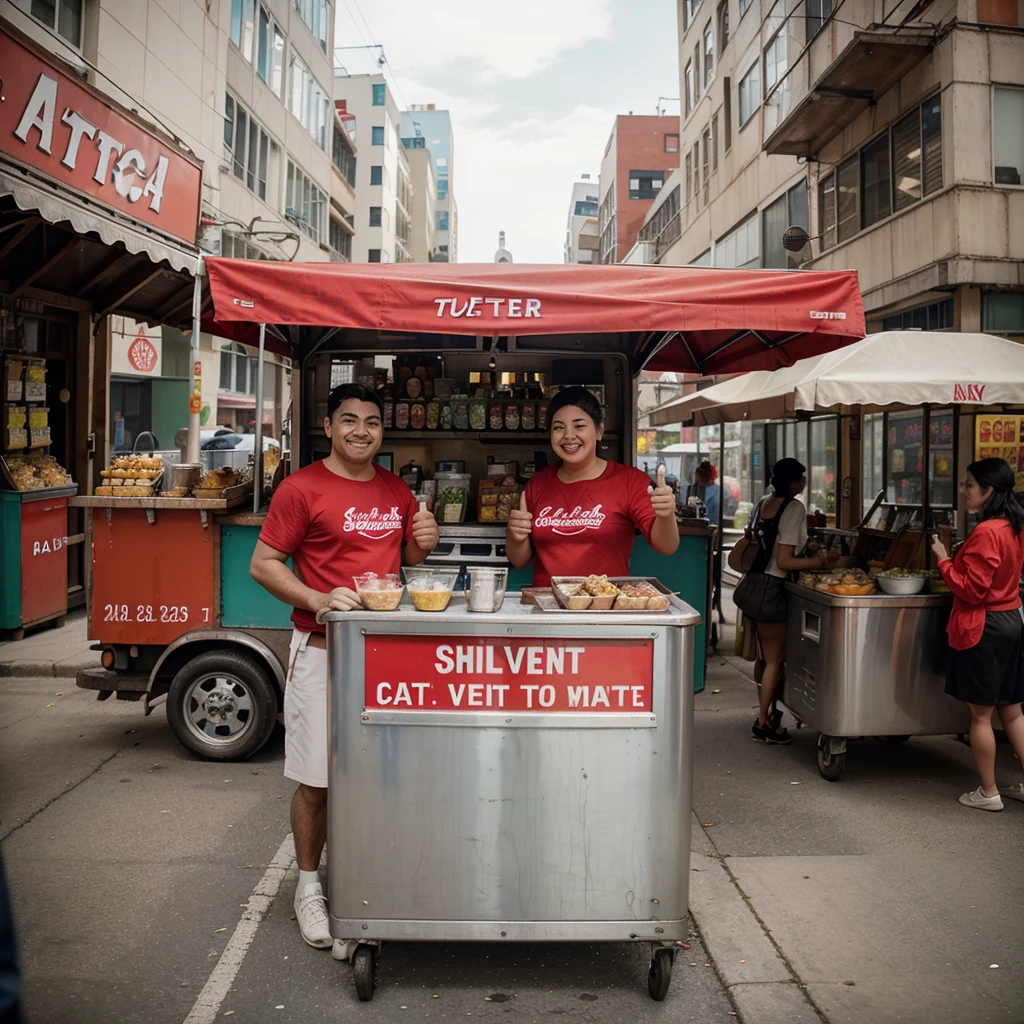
(941, 485)
(821, 474)
(874, 457)
(903, 458)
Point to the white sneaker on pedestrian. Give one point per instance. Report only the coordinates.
(1013, 792)
(311, 913)
(344, 948)
(976, 798)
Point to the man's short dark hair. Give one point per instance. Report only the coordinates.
(581, 398)
(360, 392)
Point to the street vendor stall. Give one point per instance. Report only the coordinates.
(860, 662)
(465, 359)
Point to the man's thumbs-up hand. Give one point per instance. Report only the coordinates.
(663, 501)
(425, 534)
(520, 521)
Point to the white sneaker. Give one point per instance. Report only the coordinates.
(344, 948)
(311, 913)
(983, 803)
(1013, 792)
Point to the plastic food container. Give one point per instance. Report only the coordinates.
(379, 593)
(486, 589)
(430, 589)
(902, 586)
(452, 497)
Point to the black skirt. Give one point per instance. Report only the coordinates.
(990, 673)
(761, 598)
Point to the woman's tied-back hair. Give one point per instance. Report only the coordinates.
(1002, 503)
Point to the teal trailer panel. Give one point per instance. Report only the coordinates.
(243, 602)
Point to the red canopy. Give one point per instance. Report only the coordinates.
(699, 319)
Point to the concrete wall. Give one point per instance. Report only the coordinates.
(424, 204)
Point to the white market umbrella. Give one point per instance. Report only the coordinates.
(892, 368)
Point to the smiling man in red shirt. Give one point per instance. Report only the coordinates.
(336, 518)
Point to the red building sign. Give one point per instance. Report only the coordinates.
(82, 140)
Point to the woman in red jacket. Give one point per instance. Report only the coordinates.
(986, 628)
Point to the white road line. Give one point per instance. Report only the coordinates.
(219, 983)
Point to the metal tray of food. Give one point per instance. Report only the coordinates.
(603, 594)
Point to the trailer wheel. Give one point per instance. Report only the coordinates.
(830, 764)
(659, 977)
(364, 968)
(222, 705)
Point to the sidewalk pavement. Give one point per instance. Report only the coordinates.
(876, 898)
(50, 652)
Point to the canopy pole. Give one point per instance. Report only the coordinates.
(195, 401)
(257, 462)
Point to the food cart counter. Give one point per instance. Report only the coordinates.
(868, 666)
(483, 767)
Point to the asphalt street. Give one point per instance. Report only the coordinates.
(131, 863)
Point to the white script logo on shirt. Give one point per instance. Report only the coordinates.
(375, 525)
(568, 524)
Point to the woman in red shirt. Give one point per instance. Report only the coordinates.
(986, 628)
(581, 517)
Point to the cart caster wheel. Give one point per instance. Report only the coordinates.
(59, 622)
(364, 967)
(660, 975)
(17, 634)
(830, 764)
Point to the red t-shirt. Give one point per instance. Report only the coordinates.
(336, 528)
(588, 526)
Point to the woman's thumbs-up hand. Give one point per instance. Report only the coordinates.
(663, 500)
(520, 521)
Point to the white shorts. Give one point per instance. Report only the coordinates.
(305, 713)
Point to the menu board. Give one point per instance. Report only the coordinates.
(998, 436)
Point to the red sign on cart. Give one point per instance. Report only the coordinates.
(464, 673)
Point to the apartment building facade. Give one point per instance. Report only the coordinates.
(426, 127)
(422, 213)
(892, 132)
(383, 186)
(245, 86)
(343, 192)
(582, 239)
(641, 152)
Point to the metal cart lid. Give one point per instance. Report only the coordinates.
(513, 612)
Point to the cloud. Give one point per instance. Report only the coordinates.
(518, 179)
(487, 38)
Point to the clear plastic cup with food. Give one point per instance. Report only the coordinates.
(379, 593)
(430, 589)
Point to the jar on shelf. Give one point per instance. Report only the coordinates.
(402, 409)
(478, 414)
(460, 412)
(433, 415)
(512, 414)
(528, 415)
(417, 415)
(496, 416)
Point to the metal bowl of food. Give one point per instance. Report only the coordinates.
(379, 593)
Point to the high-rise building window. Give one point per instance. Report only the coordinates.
(61, 16)
(270, 51)
(695, 156)
(247, 146)
(373, 256)
(827, 211)
(937, 316)
(848, 199)
(714, 140)
(788, 210)
(343, 156)
(1008, 135)
(375, 218)
(379, 91)
(745, 6)
(750, 92)
(689, 178)
(377, 174)
(876, 181)
(818, 12)
(442, 188)
(739, 248)
(672, 142)
(775, 60)
(722, 20)
(645, 184)
(688, 79)
(690, 8)
(1002, 312)
(308, 101)
(377, 135)
(705, 166)
(305, 203)
(442, 220)
(243, 26)
(316, 15)
(709, 53)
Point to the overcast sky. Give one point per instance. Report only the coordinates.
(533, 89)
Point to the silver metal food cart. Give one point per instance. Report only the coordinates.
(868, 666)
(522, 776)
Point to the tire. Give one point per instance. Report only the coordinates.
(364, 964)
(659, 977)
(222, 705)
(830, 765)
